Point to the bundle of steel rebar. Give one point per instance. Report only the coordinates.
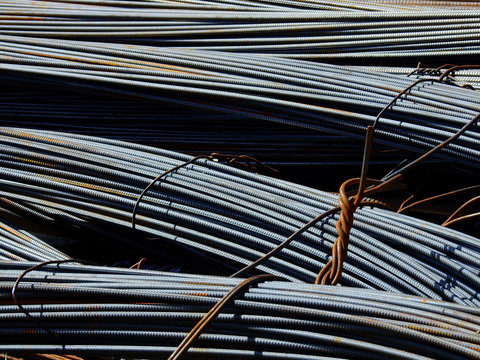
(226, 216)
(347, 31)
(325, 98)
(88, 311)
(18, 244)
(185, 130)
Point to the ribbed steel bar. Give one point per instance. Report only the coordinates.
(229, 217)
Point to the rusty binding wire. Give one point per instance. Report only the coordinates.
(244, 162)
(404, 207)
(40, 357)
(448, 74)
(424, 69)
(248, 163)
(453, 68)
(138, 264)
(215, 310)
(20, 306)
(331, 273)
(9, 357)
(421, 69)
(456, 217)
(51, 357)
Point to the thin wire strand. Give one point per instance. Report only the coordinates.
(216, 309)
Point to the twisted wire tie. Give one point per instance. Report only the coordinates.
(332, 271)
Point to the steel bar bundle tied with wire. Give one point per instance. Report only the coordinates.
(318, 97)
(216, 79)
(226, 216)
(96, 311)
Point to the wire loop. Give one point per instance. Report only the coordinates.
(20, 306)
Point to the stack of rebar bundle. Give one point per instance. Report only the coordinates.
(147, 129)
(136, 313)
